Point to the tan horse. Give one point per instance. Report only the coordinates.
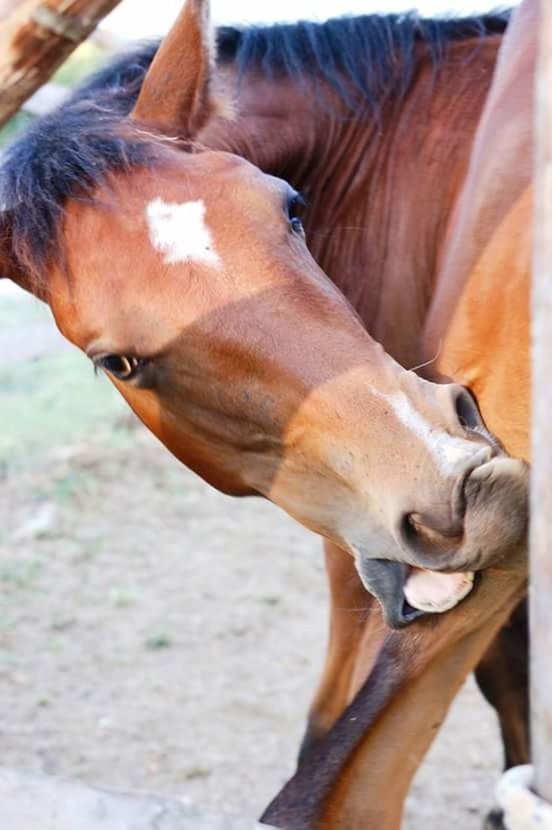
(358, 776)
(184, 275)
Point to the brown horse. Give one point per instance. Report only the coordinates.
(183, 273)
(477, 332)
(198, 361)
(373, 119)
(427, 169)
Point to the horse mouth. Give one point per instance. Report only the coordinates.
(407, 593)
(435, 593)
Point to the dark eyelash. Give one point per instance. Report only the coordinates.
(122, 367)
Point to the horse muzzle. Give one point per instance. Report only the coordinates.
(437, 561)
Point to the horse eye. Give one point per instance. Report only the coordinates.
(296, 225)
(295, 203)
(119, 366)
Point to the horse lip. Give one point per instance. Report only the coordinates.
(385, 580)
(459, 499)
(481, 459)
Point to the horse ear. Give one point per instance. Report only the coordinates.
(176, 96)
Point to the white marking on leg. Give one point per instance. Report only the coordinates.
(180, 233)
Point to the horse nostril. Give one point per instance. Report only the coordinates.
(427, 537)
(408, 531)
(466, 408)
(469, 418)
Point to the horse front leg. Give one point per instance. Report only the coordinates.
(350, 606)
(358, 775)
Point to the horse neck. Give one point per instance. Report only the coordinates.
(380, 190)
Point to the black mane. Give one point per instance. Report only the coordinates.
(371, 54)
(71, 151)
(66, 154)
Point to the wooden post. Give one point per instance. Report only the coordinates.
(541, 487)
(36, 36)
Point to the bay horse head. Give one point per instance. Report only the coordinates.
(184, 275)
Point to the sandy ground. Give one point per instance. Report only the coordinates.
(153, 633)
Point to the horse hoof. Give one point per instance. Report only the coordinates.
(495, 820)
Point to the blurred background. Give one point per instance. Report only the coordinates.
(135, 18)
(153, 633)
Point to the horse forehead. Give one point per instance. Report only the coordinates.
(121, 205)
(153, 229)
(203, 175)
(168, 219)
(221, 182)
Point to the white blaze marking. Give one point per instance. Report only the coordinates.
(447, 450)
(180, 233)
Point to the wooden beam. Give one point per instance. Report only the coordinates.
(36, 36)
(541, 495)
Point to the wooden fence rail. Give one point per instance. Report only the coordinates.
(35, 38)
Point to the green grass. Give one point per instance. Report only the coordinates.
(158, 641)
(52, 401)
(19, 574)
(56, 399)
(84, 60)
(65, 489)
(15, 312)
(15, 125)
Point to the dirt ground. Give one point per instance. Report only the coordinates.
(153, 633)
